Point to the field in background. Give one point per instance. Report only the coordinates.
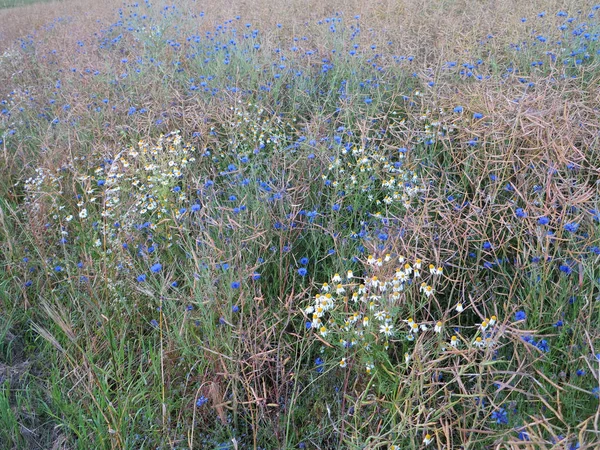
(318, 225)
(18, 3)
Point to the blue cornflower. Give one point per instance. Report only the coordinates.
(565, 268)
(304, 261)
(520, 213)
(154, 323)
(477, 116)
(235, 285)
(529, 339)
(235, 308)
(256, 276)
(458, 109)
(487, 245)
(500, 416)
(201, 401)
(523, 435)
(156, 268)
(319, 363)
(580, 372)
(302, 271)
(195, 207)
(520, 315)
(58, 269)
(543, 346)
(571, 227)
(543, 220)
(141, 278)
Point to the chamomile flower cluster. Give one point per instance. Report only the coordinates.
(62, 194)
(41, 187)
(381, 175)
(365, 312)
(252, 128)
(434, 125)
(152, 174)
(372, 312)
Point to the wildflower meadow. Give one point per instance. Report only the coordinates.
(299, 225)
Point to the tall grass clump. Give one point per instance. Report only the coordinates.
(358, 226)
